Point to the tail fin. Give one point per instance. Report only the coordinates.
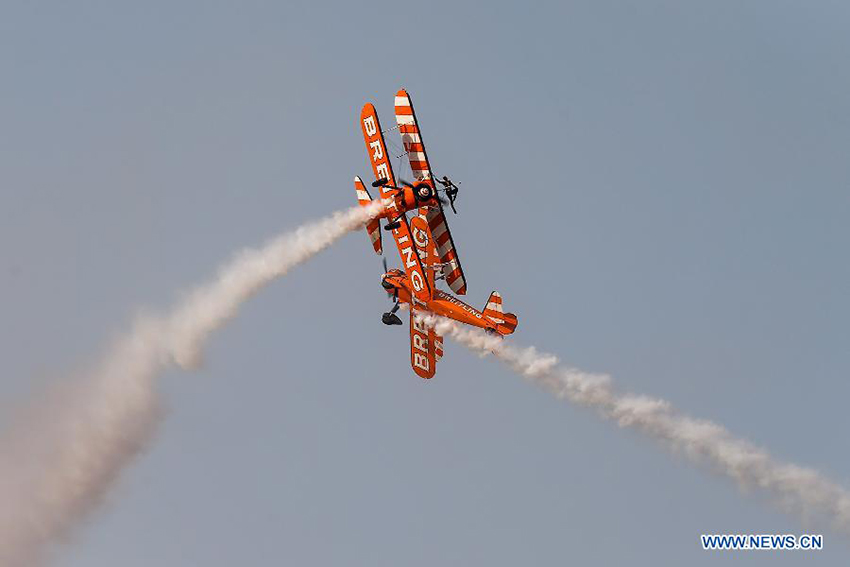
(373, 227)
(505, 322)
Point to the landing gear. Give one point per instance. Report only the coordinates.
(390, 318)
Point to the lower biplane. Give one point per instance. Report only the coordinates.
(426, 346)
(424, 242)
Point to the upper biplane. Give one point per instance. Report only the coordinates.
(424, 242)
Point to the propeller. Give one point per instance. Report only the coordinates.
(450, 191)
(380, 182)
(421, 191)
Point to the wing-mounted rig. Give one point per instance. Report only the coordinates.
(424, 243)
(451, 191)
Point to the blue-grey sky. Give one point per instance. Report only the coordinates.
(660, 190)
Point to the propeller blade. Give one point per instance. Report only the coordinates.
(380, 182)
(384, 261)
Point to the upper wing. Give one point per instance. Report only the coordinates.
(412, 140)
(382, 169)
(423, 341)
(375, 146)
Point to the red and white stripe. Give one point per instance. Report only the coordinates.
(493, 310)
(446, 251)
(373, 227)
(412, 140)
(505, 322)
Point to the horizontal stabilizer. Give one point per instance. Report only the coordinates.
(373, 227)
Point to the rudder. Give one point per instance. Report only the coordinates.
(505, 322)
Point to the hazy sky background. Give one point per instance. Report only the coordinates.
(660, 190)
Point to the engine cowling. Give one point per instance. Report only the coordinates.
(423, 192)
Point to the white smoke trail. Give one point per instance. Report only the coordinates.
(798, 489)
(64, 455)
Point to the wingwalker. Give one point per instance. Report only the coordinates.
(424, 242)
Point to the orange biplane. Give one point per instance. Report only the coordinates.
(424, 242)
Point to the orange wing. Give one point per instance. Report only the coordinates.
(382, 169)
(422, 347)
(428, 254)
(424, 247)
(412, 140)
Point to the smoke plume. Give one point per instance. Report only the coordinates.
(58, 462)
(796, 488)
